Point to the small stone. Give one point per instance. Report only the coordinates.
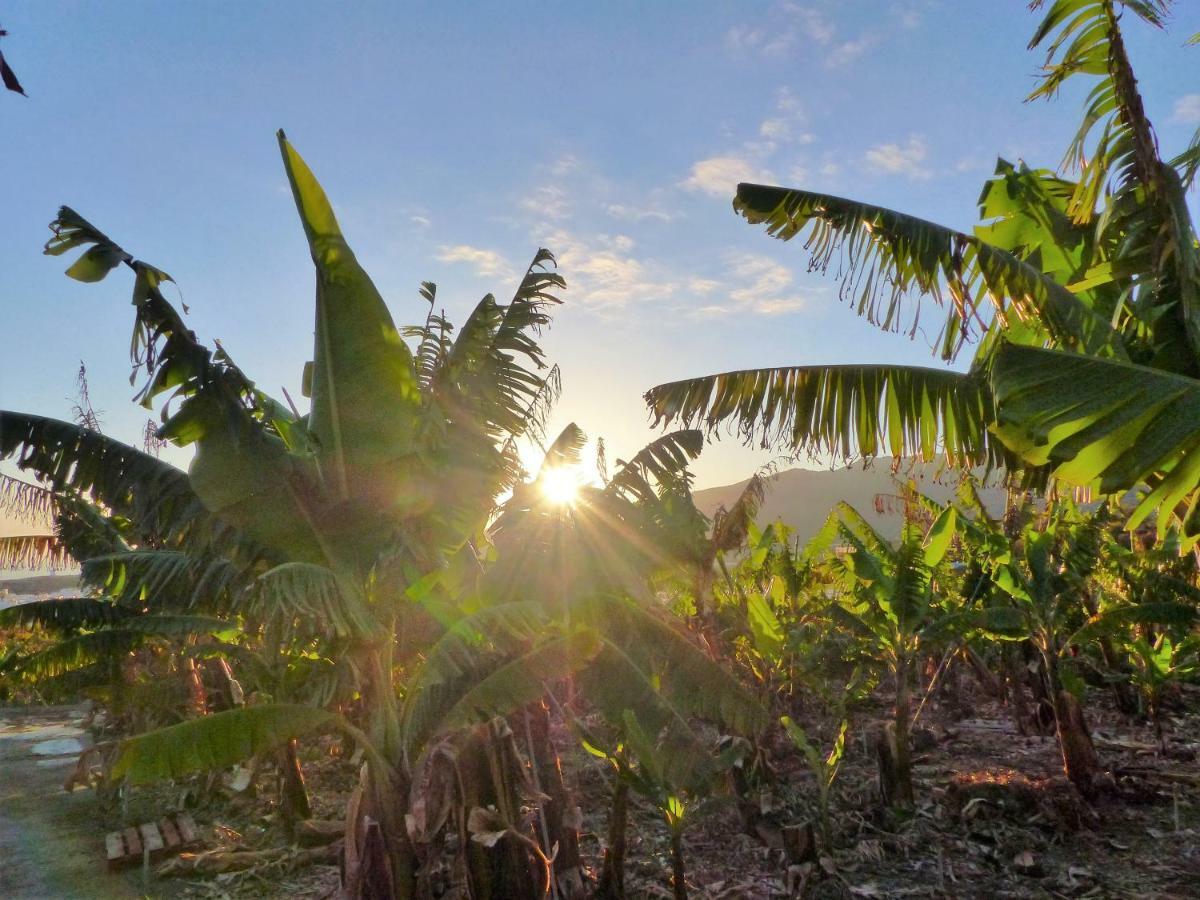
(1027, 864)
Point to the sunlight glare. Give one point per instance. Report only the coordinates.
(561, 485)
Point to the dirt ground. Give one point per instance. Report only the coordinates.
(51, 843)
(994, 818)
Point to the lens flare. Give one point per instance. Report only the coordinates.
(560, 486)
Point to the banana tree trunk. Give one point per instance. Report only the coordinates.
(557, 830)
(612, 876)
(293, 792)
(197, 695)
(379, 860)
(902, 750)
(678, 873)
(490, 771)
(1154, 708)
(232, 694)
(991, 684)
(1080, 762)
(1016, 690)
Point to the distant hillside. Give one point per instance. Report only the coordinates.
(803, 498)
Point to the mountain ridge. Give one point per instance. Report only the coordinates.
(803, 498)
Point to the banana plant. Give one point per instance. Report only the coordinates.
(823, 767)
(671, 769)
(890, 600)
(1083, 296)
(1159, 663)
(368, 518)
(596, 563)
(1045, 572)
(372, 501)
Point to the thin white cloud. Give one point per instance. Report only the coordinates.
(488, 263)
(846, 52)
(757, 285)
(548, 201)
(908, 14)
(718, 176)
(602, 272)
(775, 129)
(784, 125)
(813, 23)
(742, 39)
(1187, 109)
(792, 26)
(897, 159)
(565, 165)
(420, 221)
(635, 213)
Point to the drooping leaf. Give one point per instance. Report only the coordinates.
(63, 614)
(314, 597)
(1146, 197)
(1101, 421)
(841, 410)
(108, 644)
(941, 532)
(33, 551)
(153, 495)
(662, 460)
(890, 259)
(9, 77)
(694, 682)
(168, 579)
(1164, 612)
(521, 681)
(215, 741)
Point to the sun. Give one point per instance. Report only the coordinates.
(560, 485)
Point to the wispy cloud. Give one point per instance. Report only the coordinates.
(548, 201)
(908, 12)
(487, 263)
(629, 213)
(766, 286)
(791, 25)
(627, 264)
(603, 272)
(718, 176)
(769, 42)
(1187, 109)
(755, 285)
(845, 52)
(782, 128)
(900, 159)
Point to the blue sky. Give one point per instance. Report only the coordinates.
(454, 139)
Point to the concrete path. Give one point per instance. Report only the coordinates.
(51, 842)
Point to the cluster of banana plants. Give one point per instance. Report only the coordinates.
(359, 568)
(1051, 596)
(384, 566)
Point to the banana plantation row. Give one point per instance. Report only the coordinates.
(385, 569)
